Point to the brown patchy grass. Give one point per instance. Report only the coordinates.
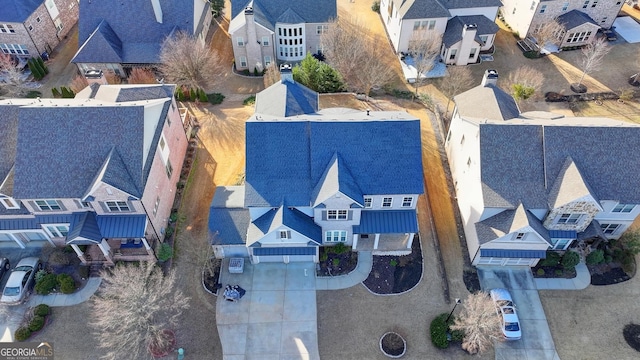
(627, 111)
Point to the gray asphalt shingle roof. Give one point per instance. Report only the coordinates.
(495, 103)
(17, 11)
(575, 18)
(429, 9)
(8, 138)
(455, 26)
(130, 29)
(286, 98)
(269, 12)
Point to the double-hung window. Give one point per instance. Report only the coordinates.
(367, 203)
(48, 205)
(407, 201)
(336, 214)
(623, 208)
(569, 218)
(335, 236)
(386, 202)
(114, 206)
(609, 229)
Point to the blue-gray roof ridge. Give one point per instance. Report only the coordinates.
(302, 223)
(461, 4)
(423, 9)
(287, 98)
(345, 183)
(118, 175)
(573, 18)
(487, 102)
(17, 11)
(310, 11)
(102, 46)
(134, 22)
(8, 138)
(455, 26)
(501, 224)
(512, 166)
(290, 16)
(60, 149)
(84, 225)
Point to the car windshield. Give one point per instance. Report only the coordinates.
(23, 268)
(512, 326)
(508, 310)
(11, 291)
(502, 303)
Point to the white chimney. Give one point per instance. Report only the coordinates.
(285, 73)
(490, 77)
(157, 10)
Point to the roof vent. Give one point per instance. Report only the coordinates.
(248, 10)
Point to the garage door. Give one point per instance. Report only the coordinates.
(507, 261)
(284, 254)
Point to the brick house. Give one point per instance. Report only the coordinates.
(99, 170)
(32, 27)
(581, 18)
(535, 181)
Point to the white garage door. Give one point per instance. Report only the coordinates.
(284, 254)
(507, 261)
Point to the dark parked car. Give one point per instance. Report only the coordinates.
(4, 266)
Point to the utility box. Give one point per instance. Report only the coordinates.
(236, 265)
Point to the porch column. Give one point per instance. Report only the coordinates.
(79, 252)
(146, 244)
(355, 242)
(375, 242)
(410, 242)
(106, 250)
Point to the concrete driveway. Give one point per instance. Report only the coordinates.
(536, 342)
(276, 318)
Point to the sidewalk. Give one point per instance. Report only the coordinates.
(581, 281)
(358, 275)
(76, 298)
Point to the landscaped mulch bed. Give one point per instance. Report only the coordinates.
(396, 274)
(631, 333)
(555, 272)
(337, 264)
(607, 274)
(211, 282)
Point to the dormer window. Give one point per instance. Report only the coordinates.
(284, 234)
(407, 201)
(115, 206)
(569, 218)
(9, 203)
(623, 208)
(367, 203)
(48, 205)
(386, 202)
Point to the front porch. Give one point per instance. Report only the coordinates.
(383, 244)
(108, 252)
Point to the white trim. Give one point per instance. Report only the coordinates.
(9, 203)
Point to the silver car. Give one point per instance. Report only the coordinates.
(507, 311)
(20, 281)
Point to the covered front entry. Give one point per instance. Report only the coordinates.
(284, 254)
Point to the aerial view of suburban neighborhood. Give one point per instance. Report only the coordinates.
(319, 179)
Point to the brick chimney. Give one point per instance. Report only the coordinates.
(490, 77)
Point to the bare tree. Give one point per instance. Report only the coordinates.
(480, 323)
(523, 82)
(142, 76)
(78, 83)
(592, 56)
(547, 33)
(458, 78)
(12, 81)
(134, 308)
(352, 50)
(271, 75)
(186, 62)
(424, 47)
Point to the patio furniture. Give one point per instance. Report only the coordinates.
(233, 293)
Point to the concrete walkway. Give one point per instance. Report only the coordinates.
(358, 275)
(276, 318)
(537, 342)
(581, 281)
(76, 298)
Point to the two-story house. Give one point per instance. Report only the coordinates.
(264, 31)
(118, 35)
(581, 19)
(30, 28)
(97, 172)
(467, 27)
(528, 182)
(320, 177)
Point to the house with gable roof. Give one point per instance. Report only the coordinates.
(581, 19)
(97, 172)
(264, 31)
(535, 181)
(467, 27)
(30, 28)
(116, 35)
(318, 178)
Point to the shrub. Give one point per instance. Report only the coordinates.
(256, 72)
(340, 248)
(540, 272)
(40, 274)
(250, 100)
(608, 259)
(42, 65)
(552, 259)
(41, 310)
(335, 262)
(59, 258)
(32, 94)
(36, 323)
(46, 284)
(22, 333)
(595, 257)
(393, 262)
(66, 283)
(202, 96)
(402, 94)
(438, 331)
(193, 94)
(67, 93)
(570, 260)
(531, 54)
(35, 70)
(215, 98)
(165, 252)
(324, 256)
(56, 93)
(558, 272)
(376, 6)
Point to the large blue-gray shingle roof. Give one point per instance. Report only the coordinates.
(455, 26)
(429, 9)
(268, 12)
(8, 139)
(17, 11)
(133, 25)
(575, 18)
(288, 159)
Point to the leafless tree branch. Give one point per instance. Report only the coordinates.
(186, 62)
(480, 323)
(592, 56)
(12, 81)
